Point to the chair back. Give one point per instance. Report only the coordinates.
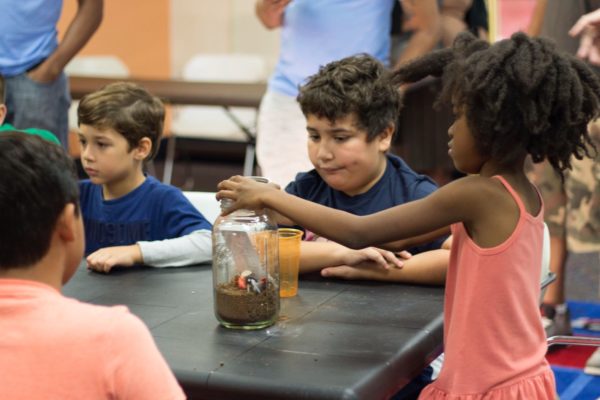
(206, 203)
(108, 66)
(211, 122)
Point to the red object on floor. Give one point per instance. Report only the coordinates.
(570, 356)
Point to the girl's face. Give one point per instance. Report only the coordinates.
(462, 147)
(342, 155)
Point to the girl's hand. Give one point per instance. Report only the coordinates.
(245, 193)
(374, 257)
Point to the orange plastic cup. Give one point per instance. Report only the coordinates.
(289, 261)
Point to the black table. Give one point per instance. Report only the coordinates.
(334, 340)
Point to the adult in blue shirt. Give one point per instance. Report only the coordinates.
(32, 60)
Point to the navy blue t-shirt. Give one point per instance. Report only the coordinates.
(152, 211)
(398, 185)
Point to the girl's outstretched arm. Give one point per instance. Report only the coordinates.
(461, 200)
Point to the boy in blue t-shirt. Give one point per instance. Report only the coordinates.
(131, 218)
(351, 107)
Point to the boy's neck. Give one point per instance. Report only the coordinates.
(49, 270)
(120, 188)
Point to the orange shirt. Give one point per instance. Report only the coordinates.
(54, 347)
(494, 342)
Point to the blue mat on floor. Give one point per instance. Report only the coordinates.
(572, 383)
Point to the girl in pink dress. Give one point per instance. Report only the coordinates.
(515, 98)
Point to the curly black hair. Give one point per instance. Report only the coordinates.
(358, 85)
(519, 94)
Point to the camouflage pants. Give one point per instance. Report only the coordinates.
(572, 208)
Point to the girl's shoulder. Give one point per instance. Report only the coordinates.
(474, 187)
(474, 197)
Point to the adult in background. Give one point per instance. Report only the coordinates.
(32, 60)
(314, 33)
(572, 210)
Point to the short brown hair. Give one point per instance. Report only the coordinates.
(127, 109)
(358, 85)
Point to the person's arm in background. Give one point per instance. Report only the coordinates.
(537, 18)
(588, 26)
(425, 26)
(270, 12)
(80, 30)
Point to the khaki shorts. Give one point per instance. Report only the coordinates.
(572, 208)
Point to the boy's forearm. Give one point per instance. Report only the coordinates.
(317, 255)
(194, 248)
(428, 268)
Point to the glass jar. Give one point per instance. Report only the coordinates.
(245, 269)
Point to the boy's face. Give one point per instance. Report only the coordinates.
(105, 155)
(342, 156)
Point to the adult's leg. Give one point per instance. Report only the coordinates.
(39, 105)
(583, 214)
(556, 316)
(281, 144)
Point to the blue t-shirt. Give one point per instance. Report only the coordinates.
(28, 33)
(152, 211)
(315, 33)
(398, 185)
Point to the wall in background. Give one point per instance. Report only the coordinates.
(137, 31)
(156, 37)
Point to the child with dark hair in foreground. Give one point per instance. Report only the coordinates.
(54, 347)
(513, 98)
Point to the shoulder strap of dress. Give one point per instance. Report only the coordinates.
(513, 193)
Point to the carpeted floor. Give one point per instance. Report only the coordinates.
(567, 363)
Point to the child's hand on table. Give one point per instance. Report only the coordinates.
(368, 263)
(105, 259)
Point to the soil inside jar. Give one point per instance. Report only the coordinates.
(240, 306)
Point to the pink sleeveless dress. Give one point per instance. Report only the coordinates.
(494, 342)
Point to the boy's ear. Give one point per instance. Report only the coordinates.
(3, 112)
(385, 137)
(66, 224)
(143, 149)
